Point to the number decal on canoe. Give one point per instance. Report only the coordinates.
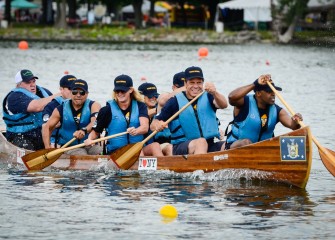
(147, 163)
(293, 148)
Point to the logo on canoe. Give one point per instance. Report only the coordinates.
(147, 163)
(293, 148)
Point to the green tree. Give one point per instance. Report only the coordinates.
(286, 15)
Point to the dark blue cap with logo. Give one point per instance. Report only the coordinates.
(24, 76)
(179, 79)
(193, 72)
(265, 87)
(122, 83)
(149, 90)
(79, 84)
(66, 81)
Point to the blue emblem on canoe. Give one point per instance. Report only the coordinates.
(293, 148)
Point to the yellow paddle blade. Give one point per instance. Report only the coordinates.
(128, 155)
(42, 158)
(328, 159)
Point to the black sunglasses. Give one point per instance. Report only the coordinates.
(81, 92)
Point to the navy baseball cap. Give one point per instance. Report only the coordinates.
(66, 81)
(149, 90)
(193, 72)
(24, 75)
(266, 87)
(179, 79)
(79, 84)
(122, 83)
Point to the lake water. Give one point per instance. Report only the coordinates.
(108, 204)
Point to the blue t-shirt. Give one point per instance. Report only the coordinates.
(105, 115)
(245, 111)
(172, 106)
(49, 108)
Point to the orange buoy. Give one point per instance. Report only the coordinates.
(23, 45)
(66, 72)
(267, 62)
(203, 52)
(143, 78)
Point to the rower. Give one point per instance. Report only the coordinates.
(193, 132)
(77, 117)
(22, 111)
(125, 112)
(256, 115)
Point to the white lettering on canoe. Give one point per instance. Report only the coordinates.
(147, 163)
(220, 157)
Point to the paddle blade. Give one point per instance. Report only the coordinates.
(126, 156)
(328, 159)
(42, 158)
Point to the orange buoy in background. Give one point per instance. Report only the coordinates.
(66, 72)
(143, 78)
(203, 52)
(267, 62)
(23, 45)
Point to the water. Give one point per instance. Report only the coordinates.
(110, 204)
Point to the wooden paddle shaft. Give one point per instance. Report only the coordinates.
(68, 143)
(44, 157)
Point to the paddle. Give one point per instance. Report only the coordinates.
(45, 157)
(68, 143)
(327, 156)
(126, 156)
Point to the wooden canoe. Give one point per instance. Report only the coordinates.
(286, 158)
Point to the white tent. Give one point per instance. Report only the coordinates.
(145, 8)
(253, 10)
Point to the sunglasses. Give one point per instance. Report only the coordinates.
(81, 92)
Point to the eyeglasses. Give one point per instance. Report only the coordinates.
(81, 92)
(119, 91)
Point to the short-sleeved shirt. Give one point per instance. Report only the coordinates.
(49, 108)
(105, 115)
(172, 106)
(18, 97)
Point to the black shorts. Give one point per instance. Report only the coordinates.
(182, 148)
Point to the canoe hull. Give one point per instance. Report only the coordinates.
(270, 157)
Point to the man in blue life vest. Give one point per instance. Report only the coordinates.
(22, 111)
(256, 115)
(149, 91)
(77, 117)
(64, 87)
(194, 130)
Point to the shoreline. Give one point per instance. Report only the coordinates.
(159, 36)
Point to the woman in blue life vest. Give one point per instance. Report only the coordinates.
(125, 112)
(256, 115)
(194, 130)
(77, 117)
(22, 111)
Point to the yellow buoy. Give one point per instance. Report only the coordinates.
(168, 211)
(23, 45)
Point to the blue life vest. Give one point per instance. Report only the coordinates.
(250, 128)
(23, 122)
(69, 126)
(186, 127)
(119, 124)
(54, 135)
